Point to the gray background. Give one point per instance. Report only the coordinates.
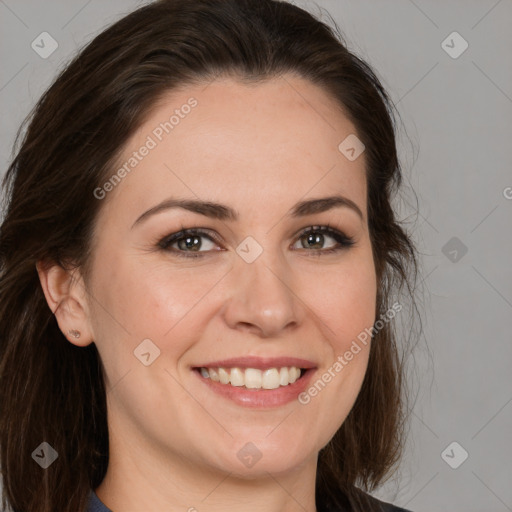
(455, 143)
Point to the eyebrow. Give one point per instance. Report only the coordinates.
(223, 212)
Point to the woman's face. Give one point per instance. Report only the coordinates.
(251, 287)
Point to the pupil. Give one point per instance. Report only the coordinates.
(196, 244)
(315, 239)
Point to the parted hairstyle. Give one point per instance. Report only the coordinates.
(68, 146)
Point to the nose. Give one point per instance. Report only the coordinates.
(261, 300)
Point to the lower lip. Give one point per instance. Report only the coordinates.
(260, 398)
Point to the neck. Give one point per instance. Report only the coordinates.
(138, 479)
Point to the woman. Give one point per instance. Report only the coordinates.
(198, 261)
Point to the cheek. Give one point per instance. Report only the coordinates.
(343, 298)
(136, 301)
(140, 300)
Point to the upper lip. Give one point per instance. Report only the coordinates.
(261, 363)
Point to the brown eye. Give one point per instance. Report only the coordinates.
(316, 237)
(187, 242)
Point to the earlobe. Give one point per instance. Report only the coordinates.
(66, 297)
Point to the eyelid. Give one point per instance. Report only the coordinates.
(343, 241)
(326, 228)
(183, 232)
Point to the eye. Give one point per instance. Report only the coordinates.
(188, 243)
(316, 235)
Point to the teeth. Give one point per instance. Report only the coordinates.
(237, 377)
(283, 376)
(253, 378)
(293, 374)
(270, 379)
(223, 376)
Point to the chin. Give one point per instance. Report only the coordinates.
(250, 460)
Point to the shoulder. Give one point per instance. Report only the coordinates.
(389, 507)
(359, 501)
(94, 504)
(383, 506)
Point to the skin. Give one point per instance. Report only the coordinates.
(258, 149)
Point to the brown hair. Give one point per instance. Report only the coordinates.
(52, 390)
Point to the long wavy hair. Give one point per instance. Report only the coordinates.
(54, 391)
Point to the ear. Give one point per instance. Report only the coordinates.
(66, 296)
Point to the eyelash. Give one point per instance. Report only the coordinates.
(344, 242)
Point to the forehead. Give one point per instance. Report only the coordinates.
(274, 141)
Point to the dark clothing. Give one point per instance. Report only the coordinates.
(95, 505)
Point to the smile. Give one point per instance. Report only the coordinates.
(253, 378)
